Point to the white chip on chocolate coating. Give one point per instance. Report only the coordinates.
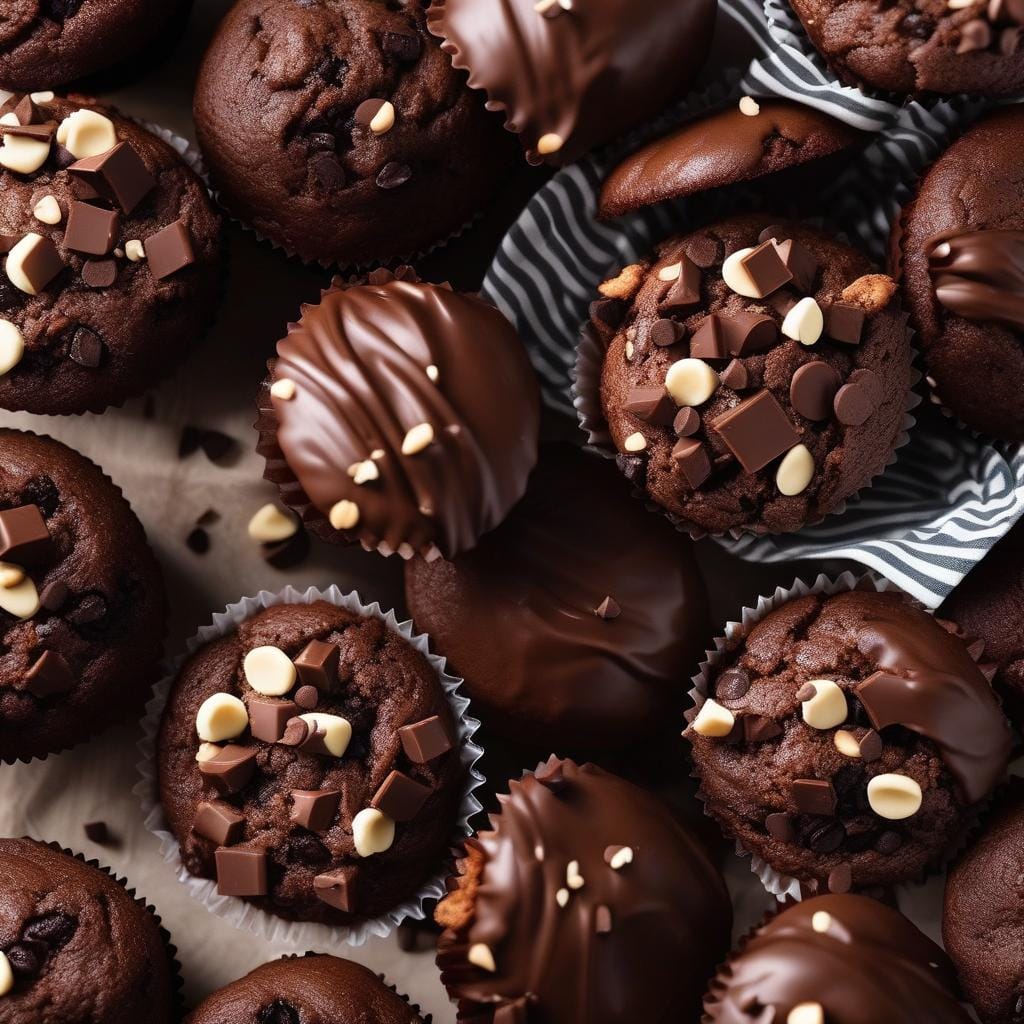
(6, 974)
(22, 154)
(480, 955)
(283, 389)
(635, 442)
(86, 133)
(806, 1013)
(713, 720)
(846, 743)
(21, 600)
(268, 670)
(47, 211)
(222, 716)
(207, 752)
(821, 921)
(135, 250)
(336, 732)
(691, 382)
(12, 346)
(549, 143)
(372, 831)
(749, 106)
(344, 515)
(796, 470)
(894, 797)
(827, 708)
(736, 277)
(417, 439)
(804, 322)
(270, 525)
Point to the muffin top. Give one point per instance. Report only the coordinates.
(409, 417)
(335, 793)
(81, 599)
(313, 989)
(755, 374)
(844, 737)
(586, 878)
(840, 959)
(80, 949)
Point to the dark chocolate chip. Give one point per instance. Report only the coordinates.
(813, 388)
(198, 541)
(54, 930)
(53, 596)
(608, 609)
(704, 250)
(217, 445)
(827, 838)
(666, 332)
(307, 697)
(780, 826)
(278, 1012)
(327, 172)
(97, 832)
(26, 958)
(870, 746)
(840, 879)
(99, 273)
(732, 684)
(608, 313)
(814, 796)
(853, 404)
(393, 175)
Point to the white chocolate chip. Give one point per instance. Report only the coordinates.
(573, 878)
(629, 351)
(10, 575)
(796, 470)
(635, 442)
(804, 322)
(135, 250)
(344, 515)
(749, 106)
(6, 975)
(119, 253)
(16, 259)
(268, 670)
(42, 97)
(894, 797)
(364, 472)
(86, 133)
(384, 120)
(21, 600)
(419, 437)
(549, 143)
(22, 154)
(336, 732)
(373, 832)
(671, 272)
(10, 119)
(735, 275)
(713, 720)
(207, 752)
(821, 921)
(621, 858)
(271, 526)
(480, 955)
(846, 743)
(12, 346)
(48, 211)
(691, 382)
(562, 897)
(959, 5)
(222, 716)
(806, 1013)
(827, 708)
(283, 389)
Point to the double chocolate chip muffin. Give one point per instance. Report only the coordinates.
(845, 740)
(309, 763)
(82, 605)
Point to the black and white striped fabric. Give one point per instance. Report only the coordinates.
(950, 495)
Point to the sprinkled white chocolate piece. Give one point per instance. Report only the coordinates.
(821, 921)
(749, 106)
(562, 897)
(222, 716)
(364, 472)
(619, 857)
(573, 878)
(135, 250)
(270, 525)
(268, 670)
(635, 442)
(372, 832)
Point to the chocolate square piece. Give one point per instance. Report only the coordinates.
(170, 250)
(268, 717)
(844, 322)
(91, 230)
(50, 674)
(24, 536)
(241, 872)
(317, 665)
(400, 797)
(744, 334)
(423, 741)
(707, 341)
(118, 175)
(315, 808)
(756, 431)
(653, 404)
(335, 889)
(800, 263)
(684, 291)
(766, 268)
(219, 822)
(692, 458)
(231, 769)
(814, 796)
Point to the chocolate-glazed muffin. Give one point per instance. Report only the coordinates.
(76, 947)
(335, 794)
(340, 131)
(569, 76)
(82, 605)
(586, 903)
(755, 374)
(575, 622)
(845, 740)
(113, 265)
(959, 250)
(836, 960)
(400, 415)
(316, 988)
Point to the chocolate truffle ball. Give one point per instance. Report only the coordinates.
(844, 740)
(82, 607)
(983, 915)
(340, 131)
(960, 247)
(569, 76)
(577, 621)
(401, 415)
(314, 988)
(334, 815)
(76, 947)
(587, 902)
(113, 262)
(839, 959)
(755, 374)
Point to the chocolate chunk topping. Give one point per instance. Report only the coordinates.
(756, 431)
(170, 250)
(49, 675)
(198, 541)
(118, 175)
(813, 388)
(230, 769)
(666, 332)
(24, 536)
(844, 321)
(686, 422)
(746, 333)
(704, 250)
(691, 456)
(870, 746)
(707, 341)
(608, 313)
(268, 717)
(219, 822)
(423, 741)
(91, 230)
(393, 175)
(800, 263)
(335, 889)
(400, 797)
(317, 665)
(780, 826)
(684, 291)
(827, 838)
(766, 268)
(608, 609)
(53, 596)
(41, 263)
(840, 879)
(241, 872)
(99, 273)
(54, 930)
(307, 697)
(735, 376)
(86, 348)
(652, 404)
(888, 842)
(328, 174)
(759, 729)
(315, 809)
(814, 796)
(404, 47)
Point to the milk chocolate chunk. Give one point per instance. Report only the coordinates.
(219, 822)
(666, 332)
(844, 322)
(756, 431)
(759, 728)
(241, 872)
(780, 826)
(708, 341)
(315, 808)
(86, 348)
(53, 596)
(686, 422)
(317, 665)
(231, 768)
(118, 175)
(268, 718)
(813, 388)
(99, 273)
(608, 609)
(41, 132)
(170, 250)
(766, 268)
(814, 796)
(746, 333)
(335, 889)
(692, 458)
(400, 797)
(854, 403)
(735, 376)
(38, 263)
(800, 263)
(684, 291)
(24, 536)
(27, 112)
(91, 230)
(423, 741)
(50, 674)
(652, 404)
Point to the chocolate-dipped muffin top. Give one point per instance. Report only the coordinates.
(409, 418)
(586, 903)
(570, 76)
(840, 960)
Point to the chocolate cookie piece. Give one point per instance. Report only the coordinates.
(575, 620)
(582, 876)
(785, 355)
(112, 257)
(340, 131)
(81, 949)
(960, 244)
(723, 148)
(841, 959)
(400, 414)
(920, 46)
(983, 914)
(862, 739)
(569, 76)
(312, 987)
(82, 605)
(334, 815)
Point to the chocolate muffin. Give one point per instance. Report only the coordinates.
(336, 791)
(576, 620)
(755, 374)
(82, 607)
(586, 903)
(76, 947)
(315, 987)
(983, 915)
(920, 46)
(113, 262)
(569, 76)
(840, 959)
(400, 415)
(340, 131)
(959, 249)
(845, 740)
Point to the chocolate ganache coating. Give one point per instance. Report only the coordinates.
(570, 79)
(410, 418)
(855, 959)
(594, 903)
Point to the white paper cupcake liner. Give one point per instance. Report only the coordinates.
(244, 915)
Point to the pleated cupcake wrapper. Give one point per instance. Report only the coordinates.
(245, 915)
(784, 887)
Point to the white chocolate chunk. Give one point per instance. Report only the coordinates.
(10, 119)
(268, 670)
(433, 373)
(713, 720)
(21, 600)
(796, 470)
(10, 575)
(16, 259)
(419, 437)
(846, 743)
(6, 974)
(635, 442)
(373, 832)
(364, 472)
(336, 732)
(691, 382)
(344, 515)
(12, 346)
(384, 120)
(749, 106)
(284, 389)
(135, 250)
(821, 921)
(270, 525)
(222, 716)
(47, 210)
(86, 133)
(621, 858)
(42, 97)
(735, 275)
(804, 322)
(894, 797)
(562, 897)
(549, 143)
(827, 708)
(573, 878)
(207, 752)
(671, 272)
(806, 1013)
(480, 955)
(22, 154)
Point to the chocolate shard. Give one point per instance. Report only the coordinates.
(268, 717)
(53, 595)
(219, 822)
(86, 348)
(24, 536)
(170, 250)
(756, 431)
(317, 665)
(800, 263)
(780, 826)
(315, 808)
(118, 175)
(335, 888)
(746, 333)
(423, 741)
(735, 376)
(707, 341)
(814, 796)
(766, 268)
(691, 456)
(241, 872)
(97, 832)
(49, 674)
(759, 729)
(400, 797)
(652, 404)
(230, 769)
(684, 291)
(844, 322)
(91, 230)
(608, 609)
